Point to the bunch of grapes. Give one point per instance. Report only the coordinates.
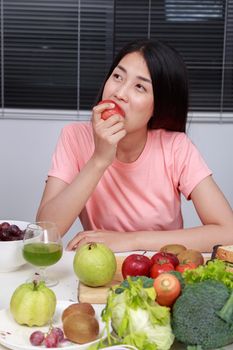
(10, 232)
(52, 339)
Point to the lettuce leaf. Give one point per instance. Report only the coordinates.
(214, 270)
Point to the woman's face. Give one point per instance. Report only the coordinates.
(130, 86)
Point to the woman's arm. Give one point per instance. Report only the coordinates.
(213, 209)
(62, 202)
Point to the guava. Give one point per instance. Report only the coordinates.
(94, 264)
(33, 304)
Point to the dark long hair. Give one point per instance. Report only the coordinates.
(169, 81)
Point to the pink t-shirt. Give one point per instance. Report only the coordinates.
(143, 195)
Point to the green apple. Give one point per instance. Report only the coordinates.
(33, 304)
(94, 264)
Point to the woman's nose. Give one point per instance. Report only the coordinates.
(122, 93)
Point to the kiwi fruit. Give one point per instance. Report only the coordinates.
(85, 308)
(173, 248)
(81, 328)
(191, 255)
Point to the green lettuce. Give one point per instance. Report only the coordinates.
(213, 270)
(135, 317)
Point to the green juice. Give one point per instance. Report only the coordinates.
(42, 254)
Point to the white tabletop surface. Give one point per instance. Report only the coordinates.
(66, 289)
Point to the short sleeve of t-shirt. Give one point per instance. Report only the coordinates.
(74, 145)
(189, 166)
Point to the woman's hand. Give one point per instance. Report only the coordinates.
(116, 241)
(107, 134)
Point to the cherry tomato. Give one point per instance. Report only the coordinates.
(157, 269)
(167, 289)
(186, 266)
(163, 257)
(109, 112)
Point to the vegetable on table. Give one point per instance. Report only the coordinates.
(136, 318)
(158, 268)
(195, 315)
(214, 270)
(179, 276)
(186, 266)
(167, 288)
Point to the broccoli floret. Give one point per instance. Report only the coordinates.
(195, 319)
(226, 313)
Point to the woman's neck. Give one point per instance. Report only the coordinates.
(131, 146)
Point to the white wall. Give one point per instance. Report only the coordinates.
(26, 147)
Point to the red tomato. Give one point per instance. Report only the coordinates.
(186, 266)
(167, 289)
(163, 257)
(109, 112)
(157, 269)
(136, 265)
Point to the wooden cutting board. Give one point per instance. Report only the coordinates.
(98, 295)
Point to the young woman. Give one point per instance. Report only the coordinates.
(124, 176)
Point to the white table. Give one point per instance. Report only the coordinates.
(66, 289)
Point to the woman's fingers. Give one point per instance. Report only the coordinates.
(82, 238)
(98, 110)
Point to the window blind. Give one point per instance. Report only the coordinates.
(55, 53)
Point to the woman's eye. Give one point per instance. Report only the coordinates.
(117, 76)
(140, 87)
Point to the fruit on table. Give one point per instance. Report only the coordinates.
(33, 304)
(191, 255)
(109, 112)
(81, 328)
(51, 339)
(173, 248)
(186, 266)
(78, 308)
(136, 265)
(163, 257)
(157, 269)
(79, 323)
(94, 264)
(10, 232)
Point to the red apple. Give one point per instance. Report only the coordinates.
(162, 257)
(136, 265)
(109, 112)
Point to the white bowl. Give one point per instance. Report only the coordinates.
(11, 257)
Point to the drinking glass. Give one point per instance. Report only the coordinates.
(42, 247)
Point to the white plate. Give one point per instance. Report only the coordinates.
(16, 337)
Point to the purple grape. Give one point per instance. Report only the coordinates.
(51, 340)
(37, 338)
(58, 332)
(15, 230)
(10, 232)
(5, 225)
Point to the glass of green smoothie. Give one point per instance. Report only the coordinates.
(42, 247)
